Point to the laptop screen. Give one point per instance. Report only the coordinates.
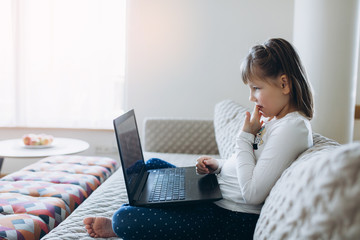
(130, 150)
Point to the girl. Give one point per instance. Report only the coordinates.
(271, 138)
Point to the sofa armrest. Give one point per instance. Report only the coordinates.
(179, 136)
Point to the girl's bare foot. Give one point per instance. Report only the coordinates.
(99, 227)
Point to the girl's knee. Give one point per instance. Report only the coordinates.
(156, 163)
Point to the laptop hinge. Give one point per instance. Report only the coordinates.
(142, 183)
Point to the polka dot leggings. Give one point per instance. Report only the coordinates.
(197, 221)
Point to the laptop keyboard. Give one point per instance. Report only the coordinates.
(169, 185)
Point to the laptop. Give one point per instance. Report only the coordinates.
(183, 185)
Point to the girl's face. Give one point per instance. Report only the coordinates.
(272, 96)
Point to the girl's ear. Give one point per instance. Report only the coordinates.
(285, 84)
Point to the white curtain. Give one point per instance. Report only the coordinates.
(61, 62)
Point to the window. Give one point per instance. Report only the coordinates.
(62, 62)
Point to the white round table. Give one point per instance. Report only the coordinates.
(60, 146)
(15, 148)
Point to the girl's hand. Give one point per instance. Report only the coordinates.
(206, 165)
(253, 123)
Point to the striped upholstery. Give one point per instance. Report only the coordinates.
(72, 194)
(22, 227)
(37, 198)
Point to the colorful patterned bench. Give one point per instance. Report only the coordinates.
(37, 198)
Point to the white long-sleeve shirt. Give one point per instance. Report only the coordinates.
(247, 177)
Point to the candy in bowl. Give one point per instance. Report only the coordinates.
(37, 140)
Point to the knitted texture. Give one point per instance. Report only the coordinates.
(180, 136)
(228, 120)
(317, 197)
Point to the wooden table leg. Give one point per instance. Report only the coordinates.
(1, 163)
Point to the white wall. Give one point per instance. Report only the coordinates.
(319, 27)
(184, 56)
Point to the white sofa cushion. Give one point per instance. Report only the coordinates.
(317, 197)
(228, 120)
(175, 135)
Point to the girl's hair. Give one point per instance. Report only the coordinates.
(274, 58)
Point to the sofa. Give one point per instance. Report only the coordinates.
(37, 198)
(316, 197)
